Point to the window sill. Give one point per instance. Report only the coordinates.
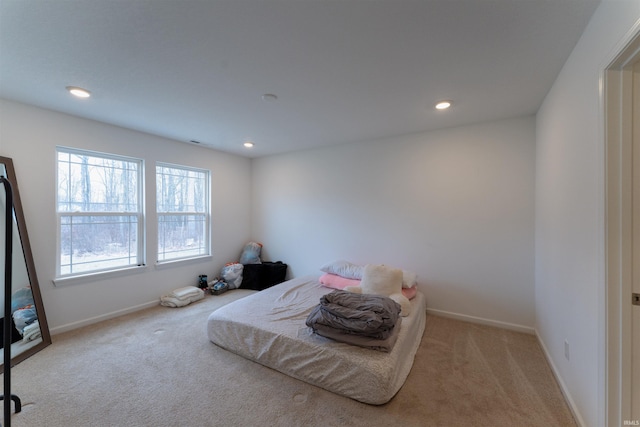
(93, 277)
(175, 262)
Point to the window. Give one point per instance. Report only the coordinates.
(99, 209)
(182, 197)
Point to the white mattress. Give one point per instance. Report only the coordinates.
(268, 327)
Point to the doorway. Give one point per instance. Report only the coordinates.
(622, 136)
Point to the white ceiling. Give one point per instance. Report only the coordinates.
(343, 70)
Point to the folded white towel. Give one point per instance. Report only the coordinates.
(186, 293)
(31, 331)
(182, 296)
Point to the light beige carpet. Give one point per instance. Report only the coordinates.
(157, 368)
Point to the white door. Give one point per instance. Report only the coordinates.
(622, 118)
(635, 309)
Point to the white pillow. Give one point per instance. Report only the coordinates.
(387, 281)
(381, 280)
(409, 279)
(344, 269)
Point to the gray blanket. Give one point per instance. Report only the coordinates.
(385, 345)
(372, 316)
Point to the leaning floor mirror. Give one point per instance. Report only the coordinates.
(30, 332)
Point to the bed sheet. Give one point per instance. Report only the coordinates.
(268, 327)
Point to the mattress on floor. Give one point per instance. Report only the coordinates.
(268, 327)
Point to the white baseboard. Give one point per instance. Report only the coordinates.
(563, 387)
(92, 320)
(483, 321)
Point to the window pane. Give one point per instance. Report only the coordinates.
(182, 201)
(100, 212)
(89, 183)
(96, 242)
(181, 190)
(181, 236)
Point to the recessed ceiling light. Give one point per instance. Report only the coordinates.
(79, 92)
(443, 105)
(248, 144)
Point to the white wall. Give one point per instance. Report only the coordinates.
(569, 270)
(29, 136)
(455, 206)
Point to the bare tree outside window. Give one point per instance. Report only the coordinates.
(182, 197)
(99, 211)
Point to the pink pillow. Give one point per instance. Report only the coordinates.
(338, 282)
(410, 292)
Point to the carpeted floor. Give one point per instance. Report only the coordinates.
(157, 368)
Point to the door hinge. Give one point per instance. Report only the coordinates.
(635, 299)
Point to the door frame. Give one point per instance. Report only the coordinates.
(617, 106)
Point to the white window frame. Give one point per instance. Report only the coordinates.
(161, 258)
(139, 214)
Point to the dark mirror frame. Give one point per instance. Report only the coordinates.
(31, 269)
